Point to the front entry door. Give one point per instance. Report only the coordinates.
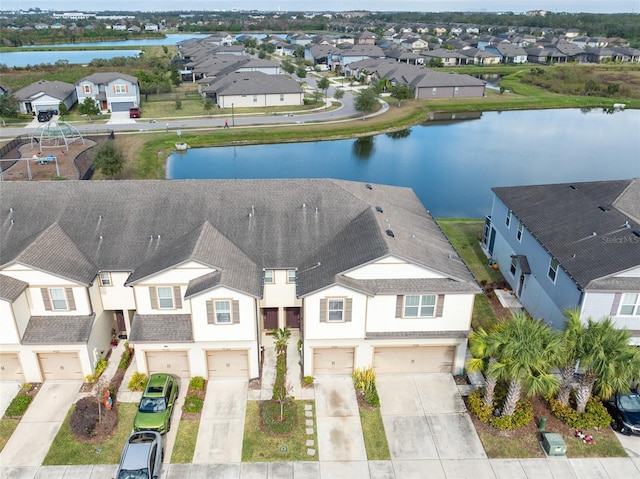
(270, 318)
(292, 317)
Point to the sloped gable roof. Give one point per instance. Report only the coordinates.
(564, 217)
(56, 89)
(104, 78)
(252, 83)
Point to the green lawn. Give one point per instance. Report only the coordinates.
(185, 444)
(464, 234)
(7, 426)
(483, 315)
(375, 439)
(66, 450)
(258, 446)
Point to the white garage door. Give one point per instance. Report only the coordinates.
(415, 359)
(172, 362)
(60, 366)
(10, 367)
(333, 361)
(228, 364)
(121, 106)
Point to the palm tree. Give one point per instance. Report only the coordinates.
(484, 357)
(569, 355)
(608, 362)
(281, 337)
(527, 350)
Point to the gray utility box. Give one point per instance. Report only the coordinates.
(553, 444)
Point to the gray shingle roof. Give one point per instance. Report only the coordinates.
(238, 226)
(252, 83)
(156, 328)
(56, 89)
(563, 220)
(58, 329)
(11, 288)
(102, 78)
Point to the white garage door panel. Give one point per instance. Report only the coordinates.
(10, 367)
(422, 359)
(60, 366)
(172, 362)
(228, 364)
(333, 361)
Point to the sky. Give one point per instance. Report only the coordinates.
(573, 6)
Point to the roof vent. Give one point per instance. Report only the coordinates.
(573, 187)
(379, 209)
(368, 186)
(390, 233)
(603, 208)
(11, 210)
(594, 234)
(637, 233)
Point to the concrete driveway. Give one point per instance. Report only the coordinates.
(425, 419)
(222, 422)
(30, 442)
(338, 420)
(120, 118)
(8, 390)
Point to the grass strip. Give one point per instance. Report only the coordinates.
(185, 445)
(375, 438)
(7, 426)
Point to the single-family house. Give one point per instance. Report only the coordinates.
(365, 38)
(112, 91)
(202, 269)
(254, 89)
(571, 245)
(509, 53)
(448, 58)
(151, 27)
(45, 95)
(355, 53)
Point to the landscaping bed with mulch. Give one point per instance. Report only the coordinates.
(525, 441)
(27, 389)
(199, 394)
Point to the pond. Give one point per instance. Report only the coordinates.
(451, 165)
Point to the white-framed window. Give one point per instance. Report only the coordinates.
(434, 91)
(58, 299)
(514, 265)
(630, 304)
(86, 89)
(420, 306)
(335, 310)
(222, 311)
(165, 297)
(553, 270)
(105, 278)
(268, 276)
(255, 98)
(507, 220)
(519, 232)
(291, 276)
(281, 96)
(120, 88)
(456, 89)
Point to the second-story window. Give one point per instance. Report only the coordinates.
(268, 276)
(420, 306)
(519, 232)
(507, 220)
(120, 88)
(223, 312)
(165, 297)
(553, 270)
(86, 89)
(291, 276)
(105, 278)
(58, 299)
(630, 305)
(335, 310)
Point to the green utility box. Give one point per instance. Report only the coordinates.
(553, 444)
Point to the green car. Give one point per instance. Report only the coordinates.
(156, 405)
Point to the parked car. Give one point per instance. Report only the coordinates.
(625, 413)
(141, 456)
(135, 112)
(156, 405)
(45, 115)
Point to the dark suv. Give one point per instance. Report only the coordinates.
(625, 412)
(45, 115)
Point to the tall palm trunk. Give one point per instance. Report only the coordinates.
(583, 392)
(513, 396)
(565, 383)
(490, 386)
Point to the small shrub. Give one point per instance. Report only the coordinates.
(18, 405)
(270, 417)
(26, 387)
(364, 380)
(125, 359)
(84, 417)
(308, 380)
(137, 382)
(193, 404)
(595, 415)
(521, 417)
(196, 383)
(477, 406)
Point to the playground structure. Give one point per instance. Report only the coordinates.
(40, 160)
(55, 134)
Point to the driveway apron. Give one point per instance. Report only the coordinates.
(30, 442)
(338, 420)
(425, 418)
(222, 422)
